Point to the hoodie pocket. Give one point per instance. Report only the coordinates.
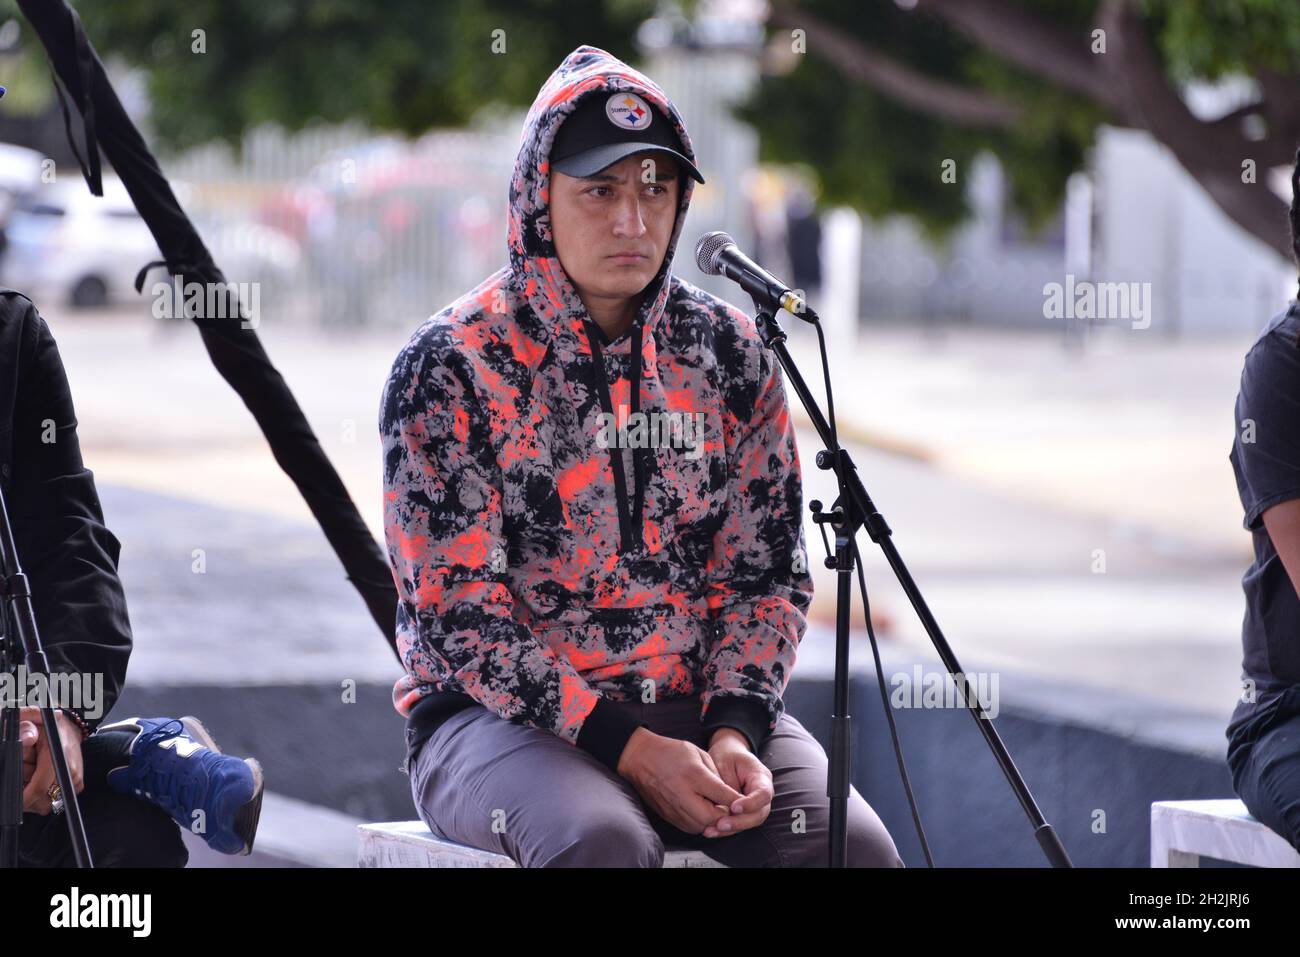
(625, 653)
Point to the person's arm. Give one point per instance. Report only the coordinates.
(1282, 522)
(68, 554)
(759, 588)
(443, 526)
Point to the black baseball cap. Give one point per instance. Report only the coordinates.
(606, 127)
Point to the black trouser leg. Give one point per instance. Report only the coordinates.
(122, 831)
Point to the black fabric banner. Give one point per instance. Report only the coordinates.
(236, 351)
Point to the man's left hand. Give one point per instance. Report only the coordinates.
(741, 769)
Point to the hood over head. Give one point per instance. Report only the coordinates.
(535, 266)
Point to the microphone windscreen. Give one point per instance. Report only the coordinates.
(707, 249)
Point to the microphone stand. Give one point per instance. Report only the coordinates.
(851, 511)
(17, 593)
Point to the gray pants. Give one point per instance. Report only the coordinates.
(521, 791)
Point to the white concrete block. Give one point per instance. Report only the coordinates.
(1184, 831)
(410, 844)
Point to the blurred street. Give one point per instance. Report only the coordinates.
(1002, 462)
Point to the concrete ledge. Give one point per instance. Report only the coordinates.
(411, 844)
(1182, 832)
(290, 833)
(1095, 760)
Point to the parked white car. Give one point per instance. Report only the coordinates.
(20, 172)
(65, 245)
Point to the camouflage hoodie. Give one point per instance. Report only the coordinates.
(535, 577)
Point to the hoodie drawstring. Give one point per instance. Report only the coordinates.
(630, 530)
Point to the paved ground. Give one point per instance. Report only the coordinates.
(1002, 462)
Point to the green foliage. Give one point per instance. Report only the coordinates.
(1213, 38)
(402, 65)
(868, 151)
(411, 65)
(24, 73)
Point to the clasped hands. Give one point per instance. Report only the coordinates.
(717, 792)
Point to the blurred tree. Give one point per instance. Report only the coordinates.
(403, 65)
(881, 92)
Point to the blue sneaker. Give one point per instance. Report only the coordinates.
(176, 765)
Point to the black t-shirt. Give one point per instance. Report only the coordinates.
(1265, 458)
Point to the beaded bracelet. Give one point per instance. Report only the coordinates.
(79, 721)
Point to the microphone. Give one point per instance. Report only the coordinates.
(718, 255)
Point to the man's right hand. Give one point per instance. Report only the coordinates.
(679, 781)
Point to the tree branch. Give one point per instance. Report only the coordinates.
(901, 83)
(1282, 107)
(1032, 43)
(1230, 120)
(1128, 80)
(1211, 153)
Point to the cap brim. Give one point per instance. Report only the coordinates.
(597, 158)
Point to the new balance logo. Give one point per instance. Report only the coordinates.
(182, 746)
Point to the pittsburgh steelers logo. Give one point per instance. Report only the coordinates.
(628, 111)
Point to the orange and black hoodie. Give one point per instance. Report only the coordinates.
(542, 571)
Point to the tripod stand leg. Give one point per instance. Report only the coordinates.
(11, 787)
(840, 772)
